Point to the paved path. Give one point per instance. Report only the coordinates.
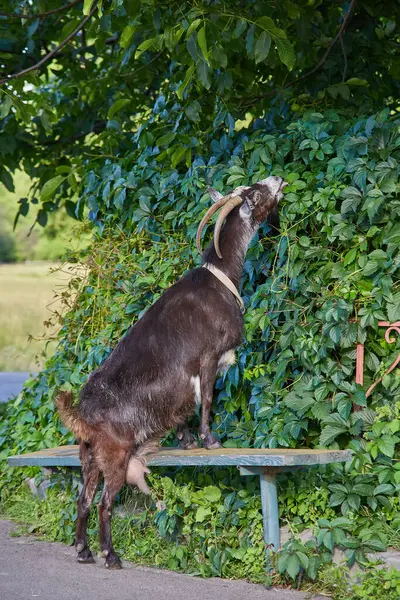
(48, 571)
(11, 384)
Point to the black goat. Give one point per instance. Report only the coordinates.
(165, 364)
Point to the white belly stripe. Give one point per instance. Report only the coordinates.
(195, 381)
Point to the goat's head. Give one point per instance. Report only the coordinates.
(257, 202)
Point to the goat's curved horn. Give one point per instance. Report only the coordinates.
(228, 207)
(206, 218)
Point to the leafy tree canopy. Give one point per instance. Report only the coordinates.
(82, 81)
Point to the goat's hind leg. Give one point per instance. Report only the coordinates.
(90, 473)
(114, 461)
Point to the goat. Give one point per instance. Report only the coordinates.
(165, 365)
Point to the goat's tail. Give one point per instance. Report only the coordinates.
(71, 418)
(137, 465)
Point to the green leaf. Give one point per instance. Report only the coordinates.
(42, 217)
(321, 392)
(146, 45)
(193, 26)
(201, 513)
(329, 434)
(69, 27)
(6, 179)
(328, 540)
(212, 493)
(303, 558)
(350, 257)
(384, 488)
(376, 545)
(393, 311)
(165, 139)
(117, 106)
(178, 156)
(286, 53)
(87, 5)
(342, 522)
(371, 267)
(5, 106)
(354, 501)
(126, 36)
(357, 81)
(266, 23)
(298, 403)
(293, 566)
(262, 47)
(119, 199)
(386, 445)
(49, 188)
(201, 40)
(203, 74)
(363, 489)
(282, 562)
(185, 82)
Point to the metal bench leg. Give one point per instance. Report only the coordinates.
(269, 502)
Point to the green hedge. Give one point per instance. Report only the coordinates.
(310, 295)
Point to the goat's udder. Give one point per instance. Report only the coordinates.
(135, 473)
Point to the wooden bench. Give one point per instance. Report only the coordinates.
(264, 463)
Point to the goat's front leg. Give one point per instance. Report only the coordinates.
(207, 379)
(187, 441)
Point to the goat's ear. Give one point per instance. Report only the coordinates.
(253, 198)
(214, 194)
(245, 210)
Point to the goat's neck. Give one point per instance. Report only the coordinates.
(234, 241)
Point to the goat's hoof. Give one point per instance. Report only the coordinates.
(188, 442)
(211, 442)
(85, 557)
(113, 562)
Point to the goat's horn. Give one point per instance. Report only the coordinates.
(228, 207)
(206, 218)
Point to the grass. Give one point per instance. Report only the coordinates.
(27, 299)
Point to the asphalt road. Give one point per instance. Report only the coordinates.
(11, 385)
(48, 571)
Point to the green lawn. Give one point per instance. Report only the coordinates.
(26, 301)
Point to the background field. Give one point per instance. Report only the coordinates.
(27, 296)
(27, 299)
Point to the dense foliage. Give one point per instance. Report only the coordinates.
(208, 64)
(208, 102)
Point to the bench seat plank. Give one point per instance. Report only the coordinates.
(68, 456)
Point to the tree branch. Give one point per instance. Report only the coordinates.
(329, 49)
(344, 59)
(337, 37)
(53, 52)
(39, 15)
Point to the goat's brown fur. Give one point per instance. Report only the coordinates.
(71, 418)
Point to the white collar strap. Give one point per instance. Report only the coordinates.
(227, 283)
